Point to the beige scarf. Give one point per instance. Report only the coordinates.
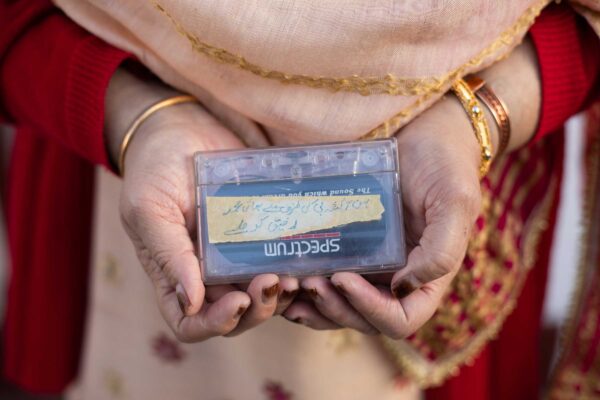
(325, 70)
(309, 70)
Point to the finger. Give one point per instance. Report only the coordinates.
(442, 246)
(304, 313)
(391, 316)
(215, 319)
(164, 247)
(288, 290)
(243, 286)
(263, 291)
(379, 278)
(215, 292)
(334, 306)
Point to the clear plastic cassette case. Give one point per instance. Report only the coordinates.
(299, 210)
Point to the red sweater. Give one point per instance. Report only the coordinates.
(53, 78)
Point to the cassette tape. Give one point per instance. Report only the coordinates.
(299, 210)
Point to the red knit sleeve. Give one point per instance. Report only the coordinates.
(54, 76)
(568, 52)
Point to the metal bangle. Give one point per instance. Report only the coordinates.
(482, 132)
(171, 101)
(497, 108)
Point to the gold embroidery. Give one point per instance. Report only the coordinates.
(343, 340)
(588, 389)
(523, 190)
(110, 269)
(509, 180)
(426, 87)
(114, 384)
(389, 127)
(499, 165)
(567, 378)
(364, 85)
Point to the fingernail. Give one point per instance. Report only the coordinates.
(270, 292)
(312, 292)
(182, 298)
(241, 311)
(288, 294)
(340, 288)
(403, 288)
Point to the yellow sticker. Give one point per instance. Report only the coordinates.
(250, 218)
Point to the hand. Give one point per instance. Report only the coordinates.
(158, 212)
(439, 163)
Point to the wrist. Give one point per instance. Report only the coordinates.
(127, 97)
(464, 131)
(516, 81)
(444, 131)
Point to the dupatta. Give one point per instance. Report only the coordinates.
(309, 71)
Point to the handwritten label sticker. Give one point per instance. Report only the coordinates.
(250, 218)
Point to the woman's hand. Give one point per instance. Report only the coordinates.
(158, 212)
(439, 163)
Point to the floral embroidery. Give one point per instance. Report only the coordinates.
(167, 349)
(343, 340)
(110, 269)
(275, 391)
(401, 382)
(114, 384)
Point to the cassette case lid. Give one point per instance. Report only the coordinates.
(296, 162)
(299, 211)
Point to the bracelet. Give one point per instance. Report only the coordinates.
(482, 131)
(171, 101)
(497, 108)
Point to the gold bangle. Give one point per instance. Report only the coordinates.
(497, 108)
(171, 101)
(471, 105)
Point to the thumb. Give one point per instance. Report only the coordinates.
(443, 244)
(164, 247)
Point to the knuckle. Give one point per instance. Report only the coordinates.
(371, 331)
(182, 336)
(396, 333)
(138, 207)
(440, 263)
(221, 329)
(134, 209)
(382, 310)
(332, 310)
(342, 319)
(396, 328)
(467, 198)
(162, 259)
(170, 262)
(337, 314)
(376, 310)
(263, 314)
